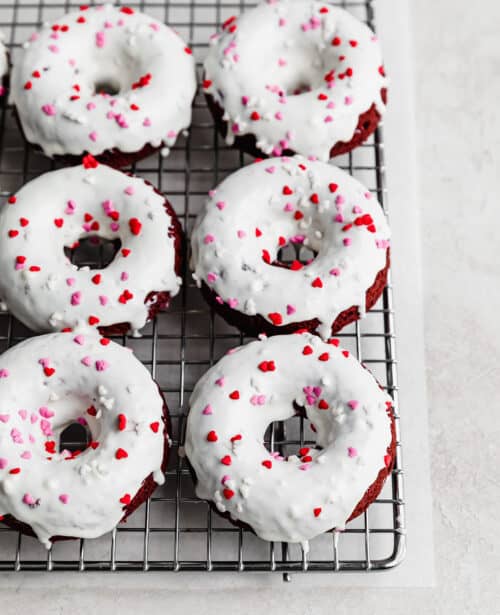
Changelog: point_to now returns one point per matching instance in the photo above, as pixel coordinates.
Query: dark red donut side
(145, 490)
(367, 124)
(255, 325)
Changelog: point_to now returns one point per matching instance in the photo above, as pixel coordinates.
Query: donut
(106, 80)
(296, 497)
(50, 218)
(272, 205)
(50, 382)
(295, 76)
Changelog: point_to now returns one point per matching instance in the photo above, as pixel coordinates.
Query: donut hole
(292, 436)
(75, 437)
(293, 252)
(93, 251)
(108, 86)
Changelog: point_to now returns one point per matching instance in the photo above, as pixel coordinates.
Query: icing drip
(292, 498)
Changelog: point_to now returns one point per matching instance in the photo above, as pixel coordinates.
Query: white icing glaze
(266, 198)
(260, 59)
(109, 46)
(61, 207)
(297, 498)
(80, 496)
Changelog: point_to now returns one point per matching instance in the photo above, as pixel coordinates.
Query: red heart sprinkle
(281, 241)
(336, 41)
(59, 222)
(36, 74)
(28, 85)
(50, 447)
(381, 71)
(89, 162)
(212, 436)
(304, 450)
(122, 422)
(317, 283)
(317, 511)
(92, 411)
(345, 353)
(93, 320)
(267, 464)
(155, 426)
(266, 257)
(127, 10)
(296, 266)
(206, 84)
(258, 232)
(307, 350)
(95, 226)
(237, 437)
(49, 371)
(121, 453)
(387, 461)
(126, 499)
(13, 233)
(104, 341)
(333, 187)
(81, 20)
(94, 444)
(324, 356)
(135, 226)
(254, 116)
(314, 198)
(322, 97)
(12, 199)
(125, 252)
(226, 460)
(234, 395)
(15, 471)
(287, 190)
(298, 215)
(353, 43)
(96, 279)
(334, 341)
(276, 318)
(228, 493)
(188, 50)
(88, 217)
(24, 221)
(323, 405)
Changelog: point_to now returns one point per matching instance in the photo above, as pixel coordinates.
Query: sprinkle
(267, 366)
(353, 404)
(49, 109)
(101, 365)
(103, 300)
(64, 498)
(290, 309)
(317, 283)
(212, 436)
(220, 381)
(89, 162)
(347, 241)
(135, 226)
(387, 461)
(307, 350)
(208, 239)
(122, 422)
(323, 356)
(121, 453)
(207, 410)
(129, 190)
(234, 395)
(93, 136)
(76, 298)
(4, 373)
(352, 452)
(4, 418)
(323, 405)
(335, 271)
(228, 493)
(317, 511)
(29, 500)
(100, 39)
(220, 205)
(3, 463)
(287, 190)
(49, 371)
(226, 460)
(154, 426)
(276, 318)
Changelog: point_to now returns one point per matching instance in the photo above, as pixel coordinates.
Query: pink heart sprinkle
(270, 169)
(348, 100)
(45, 412)
(146, 122)
(232, 303)
(124, 276)
(114, 226)
(101, 365)
(90, 106)
(357, 209)
(241, 234)
(64, 498)
(87, 361)
(171, 134)
(4, 373)
(328, 119)
(211, 277)
(129, 190)
(28, 499)
(288, 207)
(76, 298)
(208, 239)
(207, 410)
(23, 414)
(339, 218)
(278, 115)
(49, 109)
(26, 455)
(93, 136)
(335, 271)
(103, 300)
(33, 418)
(44, 362)
(347, 241)
(79, 339)
(3, 463)
(225, 478)
(352, 452)
(353, 404)
(70, 207)
(220, 381)
(290, 309)
(220, 205)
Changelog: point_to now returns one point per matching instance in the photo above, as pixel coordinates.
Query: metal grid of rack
(174, 530)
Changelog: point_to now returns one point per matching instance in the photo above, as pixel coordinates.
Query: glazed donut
(295, 76)
(294, 498)
(53, 214)
(290, 201)
(50, 382)
(105, 80)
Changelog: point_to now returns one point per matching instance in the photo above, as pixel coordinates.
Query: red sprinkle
(266, 257)
(228, 493)
(122, 422)
(324, 356)
(188, 50)
(12, 199)
(287, 190)
(333, 187)
(15, 471)
(13, 233)
(206, 84)
(234, 395)
(24, 222)
(96, 279)
(317, 283)
(121, 453)
(276, 318)
(155, 426)
(59, 222)
(212, 436)
(127, 10)
(267, 366)
(314, 198)
(323, 405)
(28, 85)
(336, 41)
(49, 371)
(226, 460)
(307, 350)
(296, 265)
(89, 162)
(345, 353)
(267, 463)
(126, 499)
(255, 116)
(93, 320)
(104, 341)
(317, 511)
(135, 226)
(237, 437)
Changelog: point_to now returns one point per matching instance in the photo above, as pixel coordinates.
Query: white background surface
(442, 166)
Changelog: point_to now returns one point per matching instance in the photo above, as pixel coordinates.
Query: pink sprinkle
(93, 136)
(235, 128)
(45, 427)
(81, 421)
(4, 418)
(225, 478)
(16, 436)
(114, 226)
(23, 414)
(171, 134)
(26, 455)
(32, 439)
(241, 234)
(305, 27)
(357, 209)
(288, 207)
(154, 26)
(330, 105)
(304, 467)
(124, 276)
(282, 22)
(220, 381)
(347, 241)
(353, 404)
(212, 193)
(44, 362)
(70, 207)
(45, 412)
(220, 205)
(348, 100)
(108, 206)
(368, 195)
(76, 298)
(146, 122)
(258, 400)
(290, 309)
(352, 452)
(244, 100)
(108, 24)
(33, 418)
(64, 498)
(70, 281)
(34, 37)
(100, 39)
(278, 115)
(4, 373)
(315, 22)
(54, 48)
(103, 300)
(90, 106)
(208, 239)
(328, 119)
(335, 271)
(207, 410)
(28, 499)
(49, 109)
(282, 62)
(101, 365)
(270, 170)
(211, 277)
(232, 303)
(87, 227)
(87, 361)
(129, 190)
(339, 200)
(339, 218)
(79, 339)
(3, 463)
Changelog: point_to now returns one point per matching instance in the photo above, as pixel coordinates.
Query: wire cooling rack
(174, 530)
